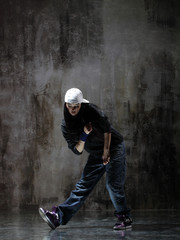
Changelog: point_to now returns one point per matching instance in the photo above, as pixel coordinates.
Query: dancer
(86, 127)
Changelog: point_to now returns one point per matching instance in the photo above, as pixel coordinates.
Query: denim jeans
(93, 171)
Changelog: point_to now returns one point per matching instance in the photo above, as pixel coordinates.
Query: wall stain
(4, 134)
(26, 173)
(153, 136)
(162, 12)
(80, 29)
(43, 118)
(6, 181)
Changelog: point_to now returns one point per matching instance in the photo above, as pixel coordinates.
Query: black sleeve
(69, 139)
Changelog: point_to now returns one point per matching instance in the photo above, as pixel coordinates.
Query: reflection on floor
(148, 225)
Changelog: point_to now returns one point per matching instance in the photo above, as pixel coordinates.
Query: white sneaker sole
(123, 228)
(45, 218)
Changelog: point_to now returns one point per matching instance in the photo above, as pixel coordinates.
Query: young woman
(86, 127)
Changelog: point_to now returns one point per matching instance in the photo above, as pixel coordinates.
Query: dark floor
(148, 225)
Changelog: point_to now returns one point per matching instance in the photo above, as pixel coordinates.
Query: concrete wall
(124, 56)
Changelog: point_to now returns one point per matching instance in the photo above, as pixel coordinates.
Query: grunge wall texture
(125, 57)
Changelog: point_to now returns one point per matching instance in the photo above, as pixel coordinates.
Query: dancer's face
(73, 108)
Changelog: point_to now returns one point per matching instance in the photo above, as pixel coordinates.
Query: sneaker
(123, 223)
(51, 218)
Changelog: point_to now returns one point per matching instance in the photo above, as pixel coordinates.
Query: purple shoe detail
(123, 223)
(51, 218)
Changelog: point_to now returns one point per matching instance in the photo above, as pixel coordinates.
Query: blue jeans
(93, 171)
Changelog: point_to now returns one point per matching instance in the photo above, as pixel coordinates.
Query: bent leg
(93, 171)
(115, 179)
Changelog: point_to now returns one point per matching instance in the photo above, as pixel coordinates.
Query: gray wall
(125, 57)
